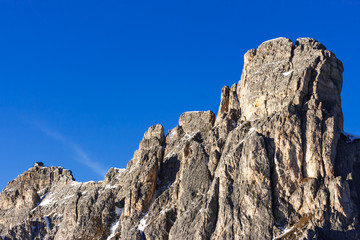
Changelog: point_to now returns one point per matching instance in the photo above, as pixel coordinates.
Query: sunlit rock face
(272, 164)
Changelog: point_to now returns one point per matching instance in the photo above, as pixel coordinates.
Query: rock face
(273, 164)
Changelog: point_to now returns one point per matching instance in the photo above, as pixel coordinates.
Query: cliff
(273, 164)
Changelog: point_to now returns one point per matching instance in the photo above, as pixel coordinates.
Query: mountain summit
(273, 164)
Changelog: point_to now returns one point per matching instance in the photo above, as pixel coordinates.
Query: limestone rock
(196, 121)
(273, 164)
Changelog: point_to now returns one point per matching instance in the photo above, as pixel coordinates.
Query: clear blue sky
(81, 81)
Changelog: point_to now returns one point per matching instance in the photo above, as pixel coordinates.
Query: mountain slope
(272, 164)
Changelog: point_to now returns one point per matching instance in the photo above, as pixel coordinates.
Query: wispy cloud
(80, 155)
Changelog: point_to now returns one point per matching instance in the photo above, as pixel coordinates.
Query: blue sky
(81, 81)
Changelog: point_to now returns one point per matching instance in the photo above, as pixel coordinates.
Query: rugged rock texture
(273, 164)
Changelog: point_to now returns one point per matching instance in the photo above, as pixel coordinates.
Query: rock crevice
(272, 164)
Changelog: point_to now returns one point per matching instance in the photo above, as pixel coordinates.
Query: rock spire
(272, 164)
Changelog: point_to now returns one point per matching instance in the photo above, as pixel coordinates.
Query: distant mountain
(273, 164)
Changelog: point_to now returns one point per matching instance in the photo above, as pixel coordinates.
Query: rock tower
(272, 164)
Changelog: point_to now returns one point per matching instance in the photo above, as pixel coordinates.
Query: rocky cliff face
(273, 164)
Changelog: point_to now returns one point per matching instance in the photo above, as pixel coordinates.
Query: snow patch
(48, 199)
(143, 220)
(172, 133)
(3, 237)
(115, 225)
(286, 230)
(120, 172)
(142, 224)
(57, 215)
(41, 192)
(108, 186)
(119, 169)
(351, 138)
(75, 183)
(251, 130)
(70, 196)
(170, 155)
(38, 203)
(287, 73)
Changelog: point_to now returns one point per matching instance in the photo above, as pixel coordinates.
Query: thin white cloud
(81, 155)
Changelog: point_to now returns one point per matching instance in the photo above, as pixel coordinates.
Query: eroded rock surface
(273, 164)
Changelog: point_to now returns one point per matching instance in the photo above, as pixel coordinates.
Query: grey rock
(273, 164)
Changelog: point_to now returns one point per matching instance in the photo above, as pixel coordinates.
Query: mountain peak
(272, 164)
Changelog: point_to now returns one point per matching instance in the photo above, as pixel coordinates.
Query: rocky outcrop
(273, 164)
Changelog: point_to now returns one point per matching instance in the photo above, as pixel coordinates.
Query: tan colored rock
(196, 121)
(273, 164)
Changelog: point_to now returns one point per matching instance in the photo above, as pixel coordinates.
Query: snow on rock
(42, 192)
(286, 230)
(109, 186)
(75, 183)
(170, 155)
(48, 199)
(287, 73)
(172, 133)
(115, 225)
(143, 220)
(120, 170)
(251, 130)
(70, 196)
(142, 224)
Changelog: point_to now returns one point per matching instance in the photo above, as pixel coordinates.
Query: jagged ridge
(272, 164)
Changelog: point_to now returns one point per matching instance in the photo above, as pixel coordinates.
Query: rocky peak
(26, 189)
(280, 75)
(197, 121)
(273, 164)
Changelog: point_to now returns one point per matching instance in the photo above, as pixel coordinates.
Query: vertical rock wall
(273, 164)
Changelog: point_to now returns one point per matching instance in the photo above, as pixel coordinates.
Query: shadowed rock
(273, 164)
